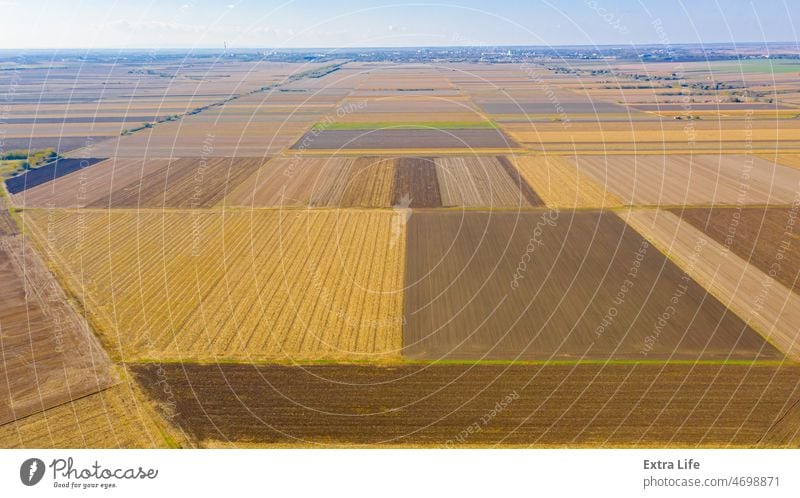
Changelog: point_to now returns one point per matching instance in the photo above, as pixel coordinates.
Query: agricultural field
(562, 185)
(594, 405)
(482, 182)
(183, 183)
(677, 180)
(321, 284)
(767, 238)
(49, 356)
(79, 189)
(768, 307)
(526, 286)
(413, 138)
(665, 136)
(326, 250)
(112, 418)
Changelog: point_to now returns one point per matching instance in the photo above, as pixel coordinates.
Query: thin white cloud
(163, 26)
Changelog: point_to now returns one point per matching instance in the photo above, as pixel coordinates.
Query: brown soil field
(549, 285)
(85, 187)
(561, 185)
(415, 183)
(785, 432)
(478, 182)
(112, 418)
(404, 139)
(765, 237)
(766, 305)
(552, 405)
(183, 183)
(266, 284)
(676, 180)
(48, 353)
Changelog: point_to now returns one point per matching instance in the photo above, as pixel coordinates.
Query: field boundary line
(677, 238)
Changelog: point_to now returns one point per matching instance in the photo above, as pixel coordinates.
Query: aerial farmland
(375, 248)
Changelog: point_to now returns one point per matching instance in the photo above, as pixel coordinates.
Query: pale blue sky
(359, 23)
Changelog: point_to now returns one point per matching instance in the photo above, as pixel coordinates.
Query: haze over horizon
(195, 24)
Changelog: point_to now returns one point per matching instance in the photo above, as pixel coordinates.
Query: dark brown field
(184, 183)
(405, 139)
(594, 405)
(547, 285)
(415, 183)
(48, 355)
(767, 238)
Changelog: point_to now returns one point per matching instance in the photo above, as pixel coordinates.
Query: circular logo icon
(31, 471)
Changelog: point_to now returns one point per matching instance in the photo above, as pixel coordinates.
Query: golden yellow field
(114, 418)
(236, 284)
(791, 160)
(665, 135)
(561, 185)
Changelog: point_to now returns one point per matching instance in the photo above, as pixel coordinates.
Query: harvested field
(283, 182)
(480, 182)
(764, 237)
(318, 182)
(721, 106)
(109, 419)
(562, 186)
(60, 144)
(83, 119)
(767, 306)
(82, 188)
(563, 107)
(405, 139)
(184, 183)
(676, 180)
(7, 224)
(236, 285)
(551, 405)
(48, 173)
(48, 353)
(714, 136)
(415, 183)
(791, 160)
(517, 179)
(548, 285)
(361, 182)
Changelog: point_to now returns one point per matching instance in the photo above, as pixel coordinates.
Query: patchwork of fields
(372, 253)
